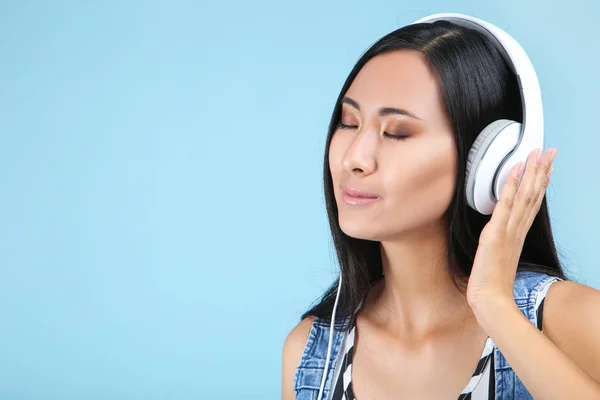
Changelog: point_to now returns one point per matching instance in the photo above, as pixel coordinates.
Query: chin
(360, 229)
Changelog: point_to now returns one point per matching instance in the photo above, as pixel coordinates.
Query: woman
(438, 301)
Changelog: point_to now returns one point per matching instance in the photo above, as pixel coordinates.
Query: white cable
(331, 327)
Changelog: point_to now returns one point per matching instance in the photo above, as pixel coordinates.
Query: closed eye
(388, 135)
(395, 137)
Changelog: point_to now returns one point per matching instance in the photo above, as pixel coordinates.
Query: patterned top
(480, 387)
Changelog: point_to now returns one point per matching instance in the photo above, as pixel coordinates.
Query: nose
(360, 156)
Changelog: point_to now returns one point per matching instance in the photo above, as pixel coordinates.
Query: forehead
(398, 79)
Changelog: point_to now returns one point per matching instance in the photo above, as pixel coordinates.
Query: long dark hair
(477, 87)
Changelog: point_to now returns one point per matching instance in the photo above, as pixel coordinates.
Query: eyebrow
(383, 111)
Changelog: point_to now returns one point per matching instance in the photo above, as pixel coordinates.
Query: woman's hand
(501, 242)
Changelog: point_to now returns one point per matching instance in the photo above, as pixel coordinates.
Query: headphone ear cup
(477, 153)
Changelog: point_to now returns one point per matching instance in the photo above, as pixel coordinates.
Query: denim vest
(308, 375)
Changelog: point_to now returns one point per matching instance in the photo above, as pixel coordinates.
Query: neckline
(484, 359)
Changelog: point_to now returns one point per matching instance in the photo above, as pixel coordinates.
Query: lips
(352, 192)
(356, 197)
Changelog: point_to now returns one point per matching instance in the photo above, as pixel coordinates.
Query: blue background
(162, 224)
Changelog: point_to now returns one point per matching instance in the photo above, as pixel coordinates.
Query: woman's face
(414, 178)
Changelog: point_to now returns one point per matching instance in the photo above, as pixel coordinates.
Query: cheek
(438, 172)
(335, 157)
(425, 185)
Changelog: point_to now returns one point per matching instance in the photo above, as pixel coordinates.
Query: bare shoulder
(569, 298)
(571, 302)
(568, 288)
(298, 335)
(293, 348)
(571, 321)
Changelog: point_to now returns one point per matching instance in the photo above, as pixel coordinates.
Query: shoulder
(293, 348)
(571, 295)
(572, 322)
(296, 340)
(569, 301)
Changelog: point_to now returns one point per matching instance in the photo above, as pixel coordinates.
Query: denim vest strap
(528, 289)
(308, 376)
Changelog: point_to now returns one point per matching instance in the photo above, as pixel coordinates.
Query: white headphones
(501, 145)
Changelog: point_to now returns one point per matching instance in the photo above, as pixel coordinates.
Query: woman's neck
(417, 294)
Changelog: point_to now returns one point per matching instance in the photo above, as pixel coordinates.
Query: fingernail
(553, 154)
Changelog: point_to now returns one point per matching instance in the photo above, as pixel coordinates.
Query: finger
(542, 182)
(503, 209)
(526, 194)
